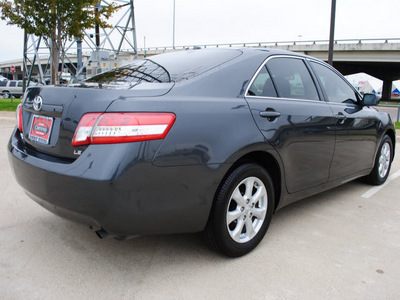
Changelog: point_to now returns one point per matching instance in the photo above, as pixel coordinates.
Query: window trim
(358, 95)
(254, 79)
(310, 71)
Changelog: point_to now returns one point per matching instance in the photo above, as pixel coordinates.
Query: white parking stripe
(376, 189)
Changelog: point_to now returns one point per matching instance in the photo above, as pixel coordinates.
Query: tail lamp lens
(111, 128)
(19, 117)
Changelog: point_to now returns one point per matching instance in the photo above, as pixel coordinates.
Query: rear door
(356, 125)
(286, 106)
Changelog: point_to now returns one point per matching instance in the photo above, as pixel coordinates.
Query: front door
(356, 125)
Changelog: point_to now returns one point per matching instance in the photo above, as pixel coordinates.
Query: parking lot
(342, 244)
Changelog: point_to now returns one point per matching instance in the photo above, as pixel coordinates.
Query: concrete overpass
(377, 57)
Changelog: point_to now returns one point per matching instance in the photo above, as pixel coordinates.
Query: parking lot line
(376, 189)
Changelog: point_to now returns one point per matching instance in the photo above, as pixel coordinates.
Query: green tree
(56, 21)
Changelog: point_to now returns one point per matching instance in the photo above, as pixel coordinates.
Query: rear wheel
(383, 162)
(242, 211)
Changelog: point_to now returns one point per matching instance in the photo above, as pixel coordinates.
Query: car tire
(6, 94)
(383, 162)
(242, 211)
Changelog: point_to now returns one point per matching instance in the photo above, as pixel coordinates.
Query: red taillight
(19, 117)
(110, 128)
(83, 131)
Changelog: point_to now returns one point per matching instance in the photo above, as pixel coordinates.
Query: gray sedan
(210, 141)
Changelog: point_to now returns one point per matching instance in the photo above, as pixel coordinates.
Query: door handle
(270, 114)
(340, 116)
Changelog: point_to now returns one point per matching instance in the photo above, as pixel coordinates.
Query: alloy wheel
(246, 209)
(384, 160)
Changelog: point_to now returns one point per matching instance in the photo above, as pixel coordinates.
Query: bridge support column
(387, 90)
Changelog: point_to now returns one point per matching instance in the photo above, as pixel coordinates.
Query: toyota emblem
(37, 103)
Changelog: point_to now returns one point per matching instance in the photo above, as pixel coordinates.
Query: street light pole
(332, 33)
(133, 28)
(144, 46)
(173, 28)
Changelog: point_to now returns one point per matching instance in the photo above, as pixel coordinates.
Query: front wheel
(6, 95)
(242, 211)
(383, 162)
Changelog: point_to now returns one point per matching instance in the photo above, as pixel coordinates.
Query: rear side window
(19, 83)
(262, 85)
(292, 78)
(336, 89)
(13, 83)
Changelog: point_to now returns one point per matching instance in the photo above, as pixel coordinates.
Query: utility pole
(97, 28)
(332, 33)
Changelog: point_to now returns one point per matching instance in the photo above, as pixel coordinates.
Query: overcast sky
(230, 21)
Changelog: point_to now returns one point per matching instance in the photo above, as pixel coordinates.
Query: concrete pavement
(342, 244)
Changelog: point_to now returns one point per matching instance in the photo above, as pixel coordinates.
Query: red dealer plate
(41, 129)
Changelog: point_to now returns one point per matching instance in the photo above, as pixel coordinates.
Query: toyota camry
(211, 141)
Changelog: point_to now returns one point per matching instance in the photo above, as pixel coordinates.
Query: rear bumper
(117, 188)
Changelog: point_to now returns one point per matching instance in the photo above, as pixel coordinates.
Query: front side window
(262, 85)
(336, 89)
(292, 78)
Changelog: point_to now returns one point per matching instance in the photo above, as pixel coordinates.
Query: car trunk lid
(50, 115)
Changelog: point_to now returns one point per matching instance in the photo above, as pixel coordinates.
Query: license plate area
(40, 130)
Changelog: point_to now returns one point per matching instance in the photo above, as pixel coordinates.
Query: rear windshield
(175, 66)
(190, 63)
(140, 70)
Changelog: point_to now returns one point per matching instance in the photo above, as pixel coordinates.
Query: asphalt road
(342, 244)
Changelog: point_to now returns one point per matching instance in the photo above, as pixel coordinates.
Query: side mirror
(370, 100)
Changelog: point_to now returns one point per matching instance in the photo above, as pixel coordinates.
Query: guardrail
(275, 44)
(396, 106)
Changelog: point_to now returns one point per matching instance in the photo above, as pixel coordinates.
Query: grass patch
(389, 103)
(397, 124)
(7, 105)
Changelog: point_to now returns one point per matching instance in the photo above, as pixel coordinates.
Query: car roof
(269, 52)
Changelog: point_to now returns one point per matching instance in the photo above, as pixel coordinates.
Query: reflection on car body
(210, 141)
